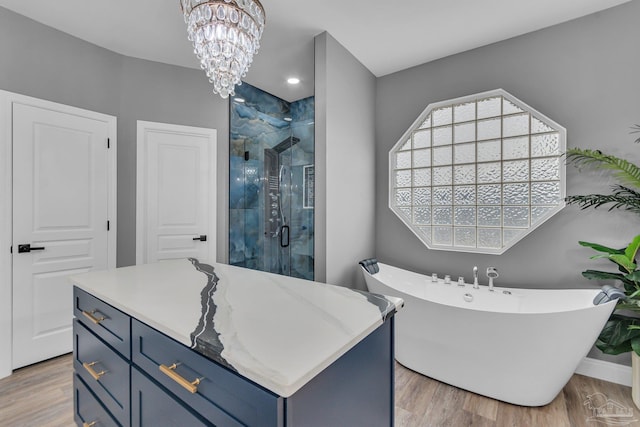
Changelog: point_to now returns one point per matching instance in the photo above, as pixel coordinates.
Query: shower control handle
(202, 238)
(282, 233)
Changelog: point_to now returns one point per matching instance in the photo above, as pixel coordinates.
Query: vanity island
(180, 343)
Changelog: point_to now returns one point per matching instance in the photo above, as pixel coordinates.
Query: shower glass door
(271, 187)
(277, 190)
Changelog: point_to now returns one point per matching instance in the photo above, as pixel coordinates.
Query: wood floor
(41, 395)
(421, 401)
(38, 395)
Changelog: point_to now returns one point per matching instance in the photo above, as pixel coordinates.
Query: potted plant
(621, 333)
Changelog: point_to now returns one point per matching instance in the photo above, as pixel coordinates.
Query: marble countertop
(277, 331)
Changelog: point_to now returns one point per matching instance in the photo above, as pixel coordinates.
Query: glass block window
(478, 173)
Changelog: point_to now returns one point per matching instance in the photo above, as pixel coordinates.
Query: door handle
(202, 238)
(26, 247)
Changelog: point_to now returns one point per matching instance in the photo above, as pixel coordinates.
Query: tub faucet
(476, 285)
(492, 273)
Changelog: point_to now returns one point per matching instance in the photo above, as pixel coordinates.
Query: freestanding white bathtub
(520, 347)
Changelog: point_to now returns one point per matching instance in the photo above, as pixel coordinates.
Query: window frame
(522, 232)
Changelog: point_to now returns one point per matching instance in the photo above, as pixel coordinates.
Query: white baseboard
(608, 371)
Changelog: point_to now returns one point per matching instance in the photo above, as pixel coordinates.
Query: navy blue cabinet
(153, 407)
(88, 411)
(110, 324)
(355, 390)
(104, 371)
(129, 374)
(222, 397)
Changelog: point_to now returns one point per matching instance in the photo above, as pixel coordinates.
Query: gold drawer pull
(91, 424)
(169, 371)
(96, 375)
(90, 315)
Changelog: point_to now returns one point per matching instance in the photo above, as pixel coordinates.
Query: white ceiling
(385, 36)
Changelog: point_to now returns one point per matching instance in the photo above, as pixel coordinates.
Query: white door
(60, 214)
(176, 192)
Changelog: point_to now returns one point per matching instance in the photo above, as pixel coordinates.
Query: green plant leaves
(629, 286)
(623, 257)
(603, 275)
(619, 335)
(601, 248)
(623, 261)
(622, 198)
(632, 249)
(619, 259)
(606, 275)
(634, 277)
(624, 170)
(636, 129)
(631, 305)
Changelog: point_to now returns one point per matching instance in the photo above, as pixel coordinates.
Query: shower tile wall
(256, 125)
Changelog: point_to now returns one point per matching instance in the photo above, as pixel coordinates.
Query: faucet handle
(476, 285)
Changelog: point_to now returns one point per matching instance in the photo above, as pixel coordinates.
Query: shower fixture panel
(272, 193)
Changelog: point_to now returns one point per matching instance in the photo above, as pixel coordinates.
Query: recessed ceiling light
(293, 80)
(240, 100)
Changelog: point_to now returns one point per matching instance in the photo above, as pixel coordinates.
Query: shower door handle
(282, 233)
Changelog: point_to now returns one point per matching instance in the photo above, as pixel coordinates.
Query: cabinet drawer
(152, 406)
(222, 396)
(87, 409)
(110, 324)
(104, 371)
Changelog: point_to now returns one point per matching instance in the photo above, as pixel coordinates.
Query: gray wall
(582, 74)
(45, 63)
(345, 159)
(165, 93)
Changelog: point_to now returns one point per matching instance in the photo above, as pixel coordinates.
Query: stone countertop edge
(142, 294)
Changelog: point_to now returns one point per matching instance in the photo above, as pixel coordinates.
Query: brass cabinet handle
(90, 315)
(89, 367)
(91, 424)
(169, 371)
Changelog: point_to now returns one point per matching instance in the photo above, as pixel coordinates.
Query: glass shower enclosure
(271, 183)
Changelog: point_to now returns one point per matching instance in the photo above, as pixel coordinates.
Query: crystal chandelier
(225, 35)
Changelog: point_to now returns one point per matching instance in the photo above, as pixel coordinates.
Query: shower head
(286, 144)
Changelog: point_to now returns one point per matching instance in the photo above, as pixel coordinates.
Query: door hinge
(11, 249)
(108, 142)
(108, 225)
